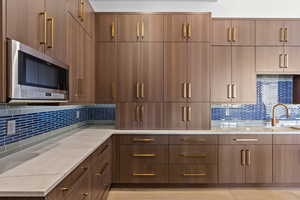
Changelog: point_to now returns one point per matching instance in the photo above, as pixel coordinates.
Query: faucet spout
(274, 120)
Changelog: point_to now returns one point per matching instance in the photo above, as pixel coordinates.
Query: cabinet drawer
(144, 139)
(286, 139)
(138, 173)
(193, 154)
(143, 154)
(193, 174)
(193, 139)
(245, 139)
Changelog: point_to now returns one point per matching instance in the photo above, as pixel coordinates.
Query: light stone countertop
(42, 167)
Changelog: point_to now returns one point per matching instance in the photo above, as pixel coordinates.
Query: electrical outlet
(11, 127)
(77, 114)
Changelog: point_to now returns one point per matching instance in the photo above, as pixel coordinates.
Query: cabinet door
(153, 28)
(128, 116)
(292, 61)
(286, 164)
(221, 29)
(25, 22)
(293, 28)
(106, 72)
(268, 59)
(199, 27)
(129, 28)
(73, 7)
(231, 169)
(259, 164)
(198, 72)
(198, 116)
(244, 32)
(221, 74)
(56, 40)
(152, 116)
(268, 32)
(106, 28)
(151, 71)
(175, 116)
(128, 61)
(174, 27)
(243, 75)
(175, 74)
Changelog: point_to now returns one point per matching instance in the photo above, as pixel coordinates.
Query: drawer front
(193, 139)
(193, 174)
(245, 139)
(286, 139)
(193, 154)
(137, 173)
(144, 139)
(149, 154)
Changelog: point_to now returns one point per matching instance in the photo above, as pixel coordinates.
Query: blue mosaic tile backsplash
(32, 121)
(271, 90)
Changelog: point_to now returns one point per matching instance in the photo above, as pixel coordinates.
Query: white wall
(222, 8)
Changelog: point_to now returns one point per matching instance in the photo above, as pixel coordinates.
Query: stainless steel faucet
(274, 120)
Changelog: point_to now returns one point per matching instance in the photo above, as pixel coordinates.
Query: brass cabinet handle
(144, 155)
(142, 90)
(189, 30)
(138, 174)
(143, 140)
(64, 189)
(248, 155)
(142, 113)
(137, 113)
(233, 32)
(189, 115)
(282, 37)
(229, 35)
(143, 30)
(138, 90)
(113, 30)
(243, 159)
(286, 60)
(44, 25)
(113, 90)
(280, 61)
(51, 22)
(193, 140)
(286, 35)
(184, 31)
(229, 91)
(189, 91)
(184, 117)
(80, 15)
(84, 195)
(246, 140)
(138, 30)
(184, 90)
(193, 155)
(234, 94)
(82, 7)
(197, 174)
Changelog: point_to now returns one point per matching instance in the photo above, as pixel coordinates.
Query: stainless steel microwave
(34, 77)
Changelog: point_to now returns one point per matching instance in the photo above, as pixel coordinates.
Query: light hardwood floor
(206, 194)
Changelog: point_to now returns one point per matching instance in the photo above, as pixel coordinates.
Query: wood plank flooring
(206, 194)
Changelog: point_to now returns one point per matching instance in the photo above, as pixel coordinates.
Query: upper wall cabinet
(233, 32)
(187, 27)
(106, 28)
(272, 32)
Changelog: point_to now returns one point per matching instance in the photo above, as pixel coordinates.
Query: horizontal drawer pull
(193, 140)
(199, 174)
(193, 155)
(137, 174)
(246, 140)
(144, 155)
(102, 151)
(64, 189)
(143, 140)
(102, 170)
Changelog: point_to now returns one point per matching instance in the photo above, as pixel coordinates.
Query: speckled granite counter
(42, 167)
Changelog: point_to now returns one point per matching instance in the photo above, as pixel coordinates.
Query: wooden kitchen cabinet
(175, 28)
(106, 72)
(233, 74)
(128, 28)
(233, 32)
(269, 59)
(292, 32)
(175, 116)
(199, 118)
(25, 22)
(106, 28)
(140, 116)
(292, 60)
(152, 28)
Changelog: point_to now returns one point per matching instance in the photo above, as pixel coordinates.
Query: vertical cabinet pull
(229, 35)
(138, 30)
(233, 37)
(229, 91)
(137, 113)
(286, 60)
(280, 61)
(282, 34)
(184, 86)
(184, 117)
(138, 90)
(81, 9)
(184, 31)
(189, 115)
(248, 154)
(142, 90)
(189, 30)
(143, 30)
(113, 30)
(142, 113)
(234, 94)
(286, 35)
(189, 95)
(43, 16)
(51, 37)
(243, 157)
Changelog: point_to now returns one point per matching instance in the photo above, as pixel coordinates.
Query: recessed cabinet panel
(221, 74)
(175, 28)
(128, 116)
(152, 28)
(292, 60)
(106, 72)
(243, 75)
(198, 116)
(292, 31)
(269, 59)
(269, 32)
(199, 27)
(106, 28)
(221, 32)
(152, 116)
(175, 116)
(243, 32)
(128, 28)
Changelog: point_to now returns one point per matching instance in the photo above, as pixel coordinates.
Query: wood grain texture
(104, 27)
(3, 83)
(127, 118)
(200, 116)
(139, 139)
(173, 116)
(174, 27)
(152, 116)
(244, 32)
(193, 139)
(268, 32)
(200, 27)
(293, 60)
(286, 139)
(268, 59)
(153, 28)
(127, 28)
(220, 31)
(293, 28)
